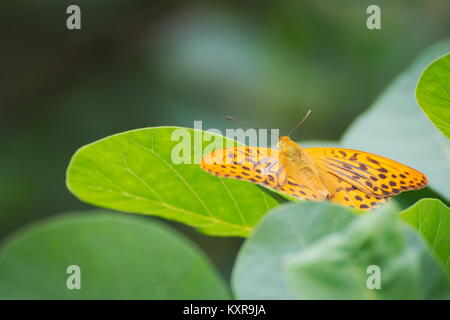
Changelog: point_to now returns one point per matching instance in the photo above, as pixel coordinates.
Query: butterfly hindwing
(344, 193)
(256, 165)
(372, 174)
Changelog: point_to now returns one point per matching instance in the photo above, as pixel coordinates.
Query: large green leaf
(339, 266)
(134, 172)
(396, 127)
(433, 93)
(120, 257)
(322, 251)
(431, 218)
(258, 270)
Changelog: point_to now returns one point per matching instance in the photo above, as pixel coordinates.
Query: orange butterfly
(348, 177)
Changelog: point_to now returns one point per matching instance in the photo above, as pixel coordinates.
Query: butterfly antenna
(245, 124)
(298, 124)
(240, 122)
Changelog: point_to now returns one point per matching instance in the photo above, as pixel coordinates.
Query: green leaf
(339, 266)
(395, 127)
(134, 172)
(322, 251)
(433, 93)
(258, 270)
(120, 257)
(431, 218)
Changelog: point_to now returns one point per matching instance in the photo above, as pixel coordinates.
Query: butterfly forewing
(372, 174)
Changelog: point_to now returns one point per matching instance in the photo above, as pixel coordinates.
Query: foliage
(134, 172)
(298, 250)
(321, 251)
(120, 257)
(433, 93)
(431, 218)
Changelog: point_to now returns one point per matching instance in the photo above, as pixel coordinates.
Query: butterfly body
(299, 165)
(349, 177)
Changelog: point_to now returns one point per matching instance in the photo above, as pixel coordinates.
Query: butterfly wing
(372, 174)
(353, 197)
(256, 165)
(346, 194)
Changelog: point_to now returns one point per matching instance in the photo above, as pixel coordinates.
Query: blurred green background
(139, 63)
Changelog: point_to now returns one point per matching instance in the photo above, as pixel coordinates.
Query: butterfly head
(288, 147)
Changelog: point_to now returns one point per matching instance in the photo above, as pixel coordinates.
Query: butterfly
(348, 177)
